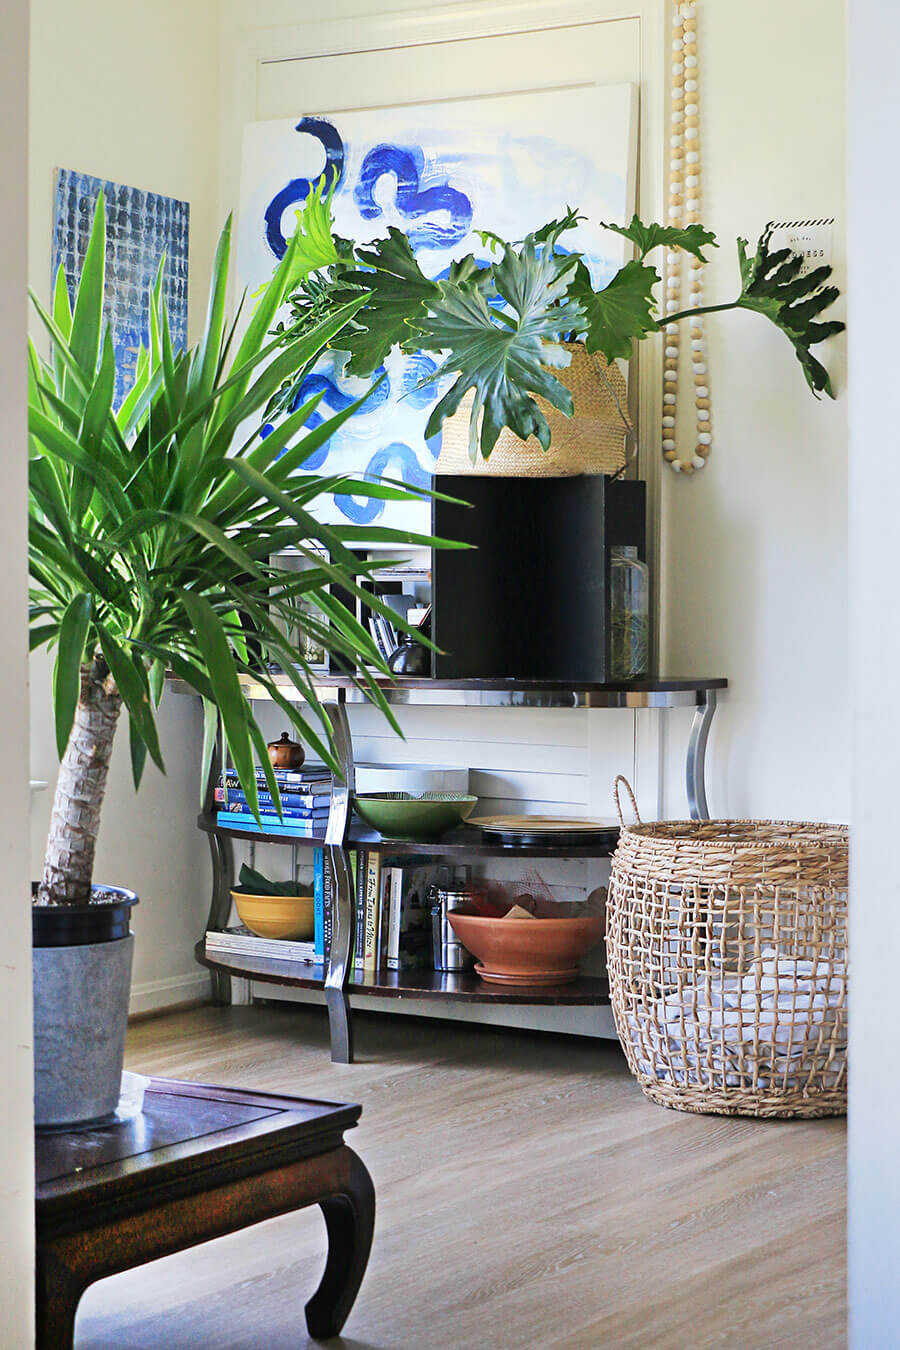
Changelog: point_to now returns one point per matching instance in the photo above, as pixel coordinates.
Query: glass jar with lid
(629, 614)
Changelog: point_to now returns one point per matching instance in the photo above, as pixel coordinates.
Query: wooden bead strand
(684, 209)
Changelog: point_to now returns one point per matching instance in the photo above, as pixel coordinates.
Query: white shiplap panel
(536, 726)
(510, 757)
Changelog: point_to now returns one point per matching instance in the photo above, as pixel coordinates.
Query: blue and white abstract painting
(140, 228)
(439, 172)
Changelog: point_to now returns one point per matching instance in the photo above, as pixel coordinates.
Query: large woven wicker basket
(727, 956)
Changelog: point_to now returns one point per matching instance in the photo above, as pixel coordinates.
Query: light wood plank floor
(528, 1196)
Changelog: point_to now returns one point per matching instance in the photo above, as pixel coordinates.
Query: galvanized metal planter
(82, 980)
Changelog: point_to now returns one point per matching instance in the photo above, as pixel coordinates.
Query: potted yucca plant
(152, 525)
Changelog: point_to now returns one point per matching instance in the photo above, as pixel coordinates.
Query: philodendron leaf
(772, 285)
(691, 238)
(502, 354)
(316, 243)
(398, 293)
(620, 313)
(549, 233)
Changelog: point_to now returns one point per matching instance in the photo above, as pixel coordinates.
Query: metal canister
(449, 953)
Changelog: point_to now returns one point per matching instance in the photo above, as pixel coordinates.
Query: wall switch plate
(812, 238)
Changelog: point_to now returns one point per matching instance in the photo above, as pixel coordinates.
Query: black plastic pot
(79, 925)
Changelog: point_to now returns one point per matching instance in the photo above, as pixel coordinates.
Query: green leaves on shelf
(773, 286)
(254, 883)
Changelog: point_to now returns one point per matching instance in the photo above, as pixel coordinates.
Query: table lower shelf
(467, 841)
(586, 991)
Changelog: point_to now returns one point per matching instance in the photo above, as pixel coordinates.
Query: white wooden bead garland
(684, 209)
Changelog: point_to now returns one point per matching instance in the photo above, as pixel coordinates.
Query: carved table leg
(57, 1293)
(350, 1220)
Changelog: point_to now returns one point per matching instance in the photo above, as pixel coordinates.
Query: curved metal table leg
(696, 755)
(221, 851)
(337, 977)
(222, 855)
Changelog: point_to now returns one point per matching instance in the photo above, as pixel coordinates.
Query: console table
(198, 1162)
(336, 979)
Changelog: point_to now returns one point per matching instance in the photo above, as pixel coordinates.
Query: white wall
(130, 92)
(874, 1219)
(754, 552)
(17, 1177)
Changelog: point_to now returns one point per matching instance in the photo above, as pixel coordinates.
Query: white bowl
(414, 778)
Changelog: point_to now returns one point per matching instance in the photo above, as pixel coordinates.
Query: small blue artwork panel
(141, 227)
(438, 172)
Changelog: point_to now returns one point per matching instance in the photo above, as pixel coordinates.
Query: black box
(531, 599)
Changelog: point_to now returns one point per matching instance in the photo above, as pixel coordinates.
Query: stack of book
(393, 923)
(241, 941)
(305, 799)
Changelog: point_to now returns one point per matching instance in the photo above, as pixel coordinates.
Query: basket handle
(620, 778)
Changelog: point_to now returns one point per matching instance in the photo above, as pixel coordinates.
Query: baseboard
(153, 995)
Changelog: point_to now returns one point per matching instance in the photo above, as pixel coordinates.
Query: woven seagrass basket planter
(727, 957)
(591, 441)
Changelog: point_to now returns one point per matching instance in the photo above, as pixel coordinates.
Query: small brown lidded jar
(285, 753)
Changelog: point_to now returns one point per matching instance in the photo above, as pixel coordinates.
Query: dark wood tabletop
(184, 1130)
(196, 1163)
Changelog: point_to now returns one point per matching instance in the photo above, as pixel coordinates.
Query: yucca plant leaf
(223, 676)
(131, 681)
(209, 531)
(73, 630)
(262, 754)
(210, 737)
(62, 308)
(257, 394)
(138, 750)
(39, 634)
(87, 316)
(259, 325)
(72, 385)
(209, 349)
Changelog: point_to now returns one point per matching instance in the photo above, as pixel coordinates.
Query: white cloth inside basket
(766, 1025)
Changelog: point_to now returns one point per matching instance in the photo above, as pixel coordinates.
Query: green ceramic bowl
(405, 815)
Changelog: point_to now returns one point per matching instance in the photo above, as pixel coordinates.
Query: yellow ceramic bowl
(276, 916)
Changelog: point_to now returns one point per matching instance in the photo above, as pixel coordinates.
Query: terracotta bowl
(276, 916)
(526, 951)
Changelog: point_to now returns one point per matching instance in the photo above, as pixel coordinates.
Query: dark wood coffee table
(198, 1163)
